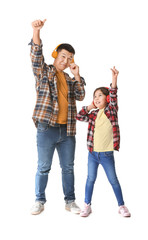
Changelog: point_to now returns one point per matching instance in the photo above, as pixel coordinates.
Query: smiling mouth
(64, 65)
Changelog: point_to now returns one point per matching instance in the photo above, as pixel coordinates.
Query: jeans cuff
(42, 202)
(69, 201)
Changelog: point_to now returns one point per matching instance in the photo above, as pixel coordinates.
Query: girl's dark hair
(104, 90)
(67, 47)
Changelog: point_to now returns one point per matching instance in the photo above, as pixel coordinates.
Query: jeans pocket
(108, 154)
(42, 127)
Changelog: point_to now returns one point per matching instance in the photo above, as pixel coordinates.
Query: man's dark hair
(67, 47)
(104, 90)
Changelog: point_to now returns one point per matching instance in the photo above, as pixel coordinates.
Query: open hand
(91, 106)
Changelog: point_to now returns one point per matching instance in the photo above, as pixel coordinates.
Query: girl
(102, 139)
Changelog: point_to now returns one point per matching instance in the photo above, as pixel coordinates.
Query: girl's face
(100, 99)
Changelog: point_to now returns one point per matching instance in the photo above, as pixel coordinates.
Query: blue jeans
(48, 139)
(106, 159)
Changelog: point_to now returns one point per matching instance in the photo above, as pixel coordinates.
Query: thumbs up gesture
(38, 24)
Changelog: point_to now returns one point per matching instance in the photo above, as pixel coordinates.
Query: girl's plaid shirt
(111, 112)
(46, 108)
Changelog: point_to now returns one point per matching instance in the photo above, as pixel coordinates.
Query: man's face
(100, 99)
(63, 60)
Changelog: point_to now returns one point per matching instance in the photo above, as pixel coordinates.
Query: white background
(104, 34)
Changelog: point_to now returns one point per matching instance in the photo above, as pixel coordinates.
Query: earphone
(107, 97)
(55, 53)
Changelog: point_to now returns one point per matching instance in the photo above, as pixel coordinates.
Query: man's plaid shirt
(111, 112)
(46, 108)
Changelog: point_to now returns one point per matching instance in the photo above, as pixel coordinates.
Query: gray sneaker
(37, 208)
(72, 207)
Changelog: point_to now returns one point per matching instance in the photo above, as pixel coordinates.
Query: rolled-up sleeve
(113, 98)
(83, 115)
(79, 89)
(37, 60)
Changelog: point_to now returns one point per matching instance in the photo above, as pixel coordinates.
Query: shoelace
(73, 204)
(38, 204)
(124, 209)
(85, 210)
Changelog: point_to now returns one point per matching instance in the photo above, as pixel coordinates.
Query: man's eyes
(69, 59)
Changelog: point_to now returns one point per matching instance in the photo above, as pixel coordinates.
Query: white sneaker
(37, 208)
(86, 211)
(72, 207)
(123, 210)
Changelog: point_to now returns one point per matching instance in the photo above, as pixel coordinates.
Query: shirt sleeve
(83, 115)
(37, 60)
(79, 89)
(113, 104)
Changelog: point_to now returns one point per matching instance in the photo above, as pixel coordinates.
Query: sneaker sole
(72, 211)
(37, 213)
(125, 216)
(85, 215)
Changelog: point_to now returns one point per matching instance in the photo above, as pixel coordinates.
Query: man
(55, 116)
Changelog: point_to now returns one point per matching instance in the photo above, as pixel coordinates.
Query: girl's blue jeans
(106, 159)
(48, 139)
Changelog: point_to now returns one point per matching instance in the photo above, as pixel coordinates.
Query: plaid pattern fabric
(46, 108)
(111, 112)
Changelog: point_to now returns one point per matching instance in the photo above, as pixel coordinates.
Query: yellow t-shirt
(62, 98)
(103, 133)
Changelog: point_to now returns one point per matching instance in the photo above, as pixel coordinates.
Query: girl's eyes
(98, 95)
